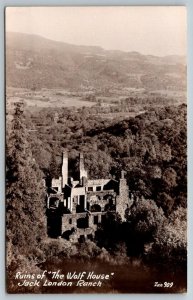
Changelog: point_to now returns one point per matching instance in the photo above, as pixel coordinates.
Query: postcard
(96, 149)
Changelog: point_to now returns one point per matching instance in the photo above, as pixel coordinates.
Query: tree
(97, 163)
(24, 196)
(166, 154)
(144, 219)
(143, 189)
(154, 172)
(109, 234)
(165, 201)
(54, 168)
(171, 240)
(145, 216)
(169, 177)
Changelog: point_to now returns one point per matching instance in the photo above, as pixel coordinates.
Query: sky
(155, 30)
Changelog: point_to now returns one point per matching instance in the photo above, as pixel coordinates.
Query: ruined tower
(122, 201)
(82, 171)
(64, 167)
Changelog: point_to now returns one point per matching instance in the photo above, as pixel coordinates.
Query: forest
(151, 148)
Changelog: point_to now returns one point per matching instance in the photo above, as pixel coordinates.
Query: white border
(189, 4)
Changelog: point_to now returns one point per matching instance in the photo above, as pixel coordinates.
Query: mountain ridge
(35, 61)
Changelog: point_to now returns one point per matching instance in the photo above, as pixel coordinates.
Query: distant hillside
(35, 62)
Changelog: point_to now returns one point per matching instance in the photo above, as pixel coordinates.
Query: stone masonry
(76, 208)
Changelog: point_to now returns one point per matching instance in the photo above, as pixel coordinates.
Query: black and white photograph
(96, 149)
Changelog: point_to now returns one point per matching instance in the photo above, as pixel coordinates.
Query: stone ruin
(75, 208)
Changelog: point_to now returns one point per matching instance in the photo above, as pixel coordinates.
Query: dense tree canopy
(151, 148)
(25, 197)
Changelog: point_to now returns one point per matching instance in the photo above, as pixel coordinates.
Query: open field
(121, 115)
(46, 98)
(37, 100)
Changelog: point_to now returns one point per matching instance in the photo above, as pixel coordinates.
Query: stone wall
(122, 200)
(69, 223)
(57, 183)
(87, 200)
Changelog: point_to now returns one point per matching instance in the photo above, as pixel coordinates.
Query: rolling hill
(35, 62)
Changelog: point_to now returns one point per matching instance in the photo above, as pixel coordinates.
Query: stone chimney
(122, 174)
(84, 181)
(64, 167)
(82, 171)
(122, 199)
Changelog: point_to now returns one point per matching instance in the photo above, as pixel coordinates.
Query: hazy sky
(148, 30)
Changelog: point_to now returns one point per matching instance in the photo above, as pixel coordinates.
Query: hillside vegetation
(151, 148)
(124, 111)
(35, 62)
